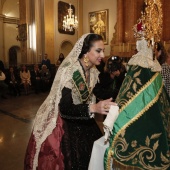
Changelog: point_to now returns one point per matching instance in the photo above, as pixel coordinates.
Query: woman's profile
(64, 128)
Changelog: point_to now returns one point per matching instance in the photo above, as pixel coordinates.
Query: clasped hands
(102, 107)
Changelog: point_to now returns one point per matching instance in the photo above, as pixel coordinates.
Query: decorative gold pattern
(86, 60)
(142, 111)
(125, 102)
(131, 82)
(122, 131)
(149, 26)
(139, 151)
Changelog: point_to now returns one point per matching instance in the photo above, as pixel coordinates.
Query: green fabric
(140, 134)
(80, 85)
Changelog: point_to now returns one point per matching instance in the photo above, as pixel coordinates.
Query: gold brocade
(140, 151)
(122, 142)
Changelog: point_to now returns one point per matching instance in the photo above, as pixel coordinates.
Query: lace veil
(45, 120)
(144, 57)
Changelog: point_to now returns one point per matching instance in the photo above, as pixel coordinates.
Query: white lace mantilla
(47, 114)
(93, 80)
(144, 57)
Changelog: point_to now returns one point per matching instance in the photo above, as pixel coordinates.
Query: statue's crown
(149, 25)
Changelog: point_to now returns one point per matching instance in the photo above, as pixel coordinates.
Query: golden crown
(149, 26)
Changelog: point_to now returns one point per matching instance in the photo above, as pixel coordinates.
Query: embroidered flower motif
(134, 161)
(129, 94)
(134, 143)
(81, 86)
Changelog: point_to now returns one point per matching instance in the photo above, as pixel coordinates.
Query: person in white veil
(64, 128)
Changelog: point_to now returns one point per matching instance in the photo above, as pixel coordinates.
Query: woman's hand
(102, 107)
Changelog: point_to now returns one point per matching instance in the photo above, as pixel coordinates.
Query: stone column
(80, 18)
(2, 55)
(49, 29)
(120, 28)
(40, 29)
(22, 12)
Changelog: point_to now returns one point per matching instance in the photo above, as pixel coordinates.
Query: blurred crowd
(112, 73)
(16, 81)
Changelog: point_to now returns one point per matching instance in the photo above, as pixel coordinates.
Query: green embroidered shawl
(141, 134)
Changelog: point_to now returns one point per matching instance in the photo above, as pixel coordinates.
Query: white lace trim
(93, 80)
(144, 57)
(47, 114)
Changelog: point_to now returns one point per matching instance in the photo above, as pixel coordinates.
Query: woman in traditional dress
(64, 128)
(25, 78)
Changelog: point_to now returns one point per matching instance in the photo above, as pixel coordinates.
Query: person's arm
(69, 110)
(42, 75)
(2, 76)
(29, 75)
(48, 75)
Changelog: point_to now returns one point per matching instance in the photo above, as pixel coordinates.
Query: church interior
(29, 29)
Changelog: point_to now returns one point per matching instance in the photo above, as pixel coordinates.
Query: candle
(164, 43)
(128, 47)
(123, 47)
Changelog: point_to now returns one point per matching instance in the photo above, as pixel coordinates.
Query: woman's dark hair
(61, 55)
(26, 70)
(113, 64)
(88, 43)
(159, 46)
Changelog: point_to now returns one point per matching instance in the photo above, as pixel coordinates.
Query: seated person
(60, 59)
(108, 85)
(25, 78)
(13, 82)
(45, 77)
(36, 78)
(3, 85)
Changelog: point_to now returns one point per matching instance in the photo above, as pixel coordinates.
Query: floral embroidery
(143, 155)
(134, 144)
(81, 86)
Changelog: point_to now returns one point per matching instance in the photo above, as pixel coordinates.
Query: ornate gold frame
(63, 11)
(100, 27)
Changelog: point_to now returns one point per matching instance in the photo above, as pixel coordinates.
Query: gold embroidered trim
(138, 115)
(142, 89)
(79, 91)
(140, 151)
(142, 111)
(128, 167)
(85, 85)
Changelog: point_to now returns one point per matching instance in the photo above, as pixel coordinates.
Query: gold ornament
(86, 60)
(105, 106)
(149, 26)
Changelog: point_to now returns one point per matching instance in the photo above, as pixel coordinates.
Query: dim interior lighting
(1, 139)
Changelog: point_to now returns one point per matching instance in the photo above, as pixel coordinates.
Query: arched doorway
(66, 47)
(14, 55)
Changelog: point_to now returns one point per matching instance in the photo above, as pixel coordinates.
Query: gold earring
(86, 60)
